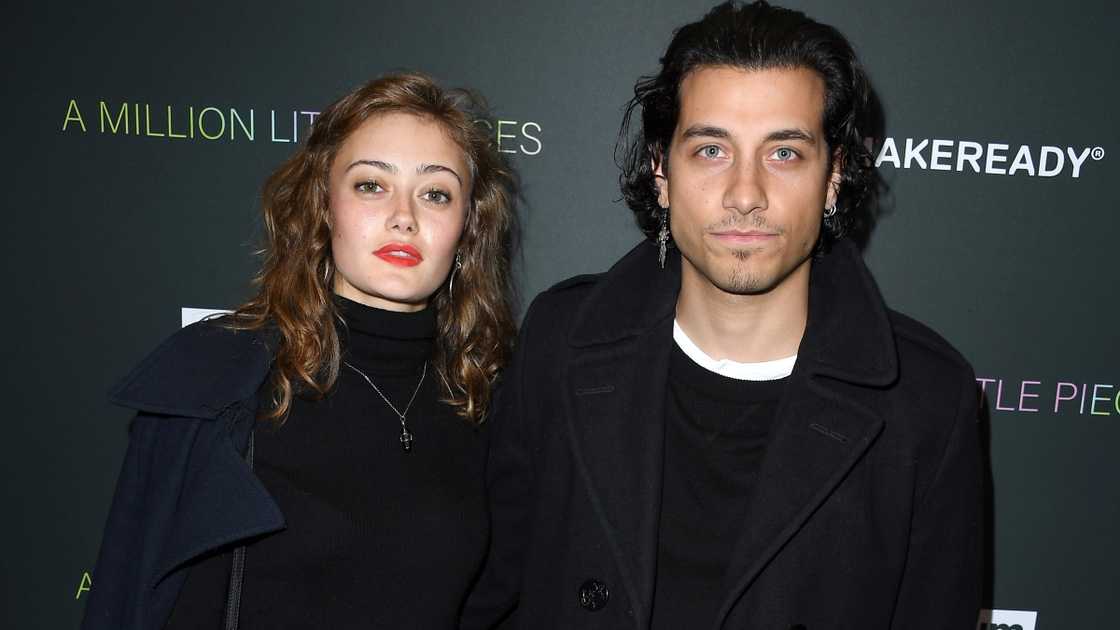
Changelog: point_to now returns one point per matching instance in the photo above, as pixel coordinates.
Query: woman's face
(399, 193)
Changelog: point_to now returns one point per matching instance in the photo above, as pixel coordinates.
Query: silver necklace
(406, 436)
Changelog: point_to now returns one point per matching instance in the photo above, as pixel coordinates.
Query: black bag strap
(237, 570)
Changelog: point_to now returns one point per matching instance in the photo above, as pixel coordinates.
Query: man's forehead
(744, 99)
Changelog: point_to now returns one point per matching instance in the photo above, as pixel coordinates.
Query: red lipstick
(399, 254)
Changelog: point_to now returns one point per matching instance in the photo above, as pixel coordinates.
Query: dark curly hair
(757, 36)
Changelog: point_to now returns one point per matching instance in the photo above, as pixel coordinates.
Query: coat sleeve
(139, 517)
(116, 574)
(509, 479)
(941, 584)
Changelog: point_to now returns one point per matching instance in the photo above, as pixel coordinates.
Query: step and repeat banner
(137, 138)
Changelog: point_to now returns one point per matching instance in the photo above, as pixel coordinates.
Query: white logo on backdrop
(1007, 620)
(990, 158)
(192, 315)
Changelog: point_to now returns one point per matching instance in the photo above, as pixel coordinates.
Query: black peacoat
(867, 509)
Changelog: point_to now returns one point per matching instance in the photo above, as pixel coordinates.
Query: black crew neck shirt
(716, 431)
(375, 537)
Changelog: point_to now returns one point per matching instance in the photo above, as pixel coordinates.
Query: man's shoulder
(564, 298)
(921, 347)
(575, 288)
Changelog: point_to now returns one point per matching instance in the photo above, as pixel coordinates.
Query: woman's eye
(369, 187)
(785, 154)
(437, 196)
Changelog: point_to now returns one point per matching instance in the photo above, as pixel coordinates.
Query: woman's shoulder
(199, 370)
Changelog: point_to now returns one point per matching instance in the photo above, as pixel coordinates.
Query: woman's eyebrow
(392, 168)
(385, 166)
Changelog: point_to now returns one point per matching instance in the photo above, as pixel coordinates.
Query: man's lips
(399, 254)
(744, 236)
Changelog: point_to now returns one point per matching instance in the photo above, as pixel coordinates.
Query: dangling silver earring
(663, 237)
(830, 211)
(451, 280)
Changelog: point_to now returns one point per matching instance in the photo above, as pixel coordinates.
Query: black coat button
(593, 595)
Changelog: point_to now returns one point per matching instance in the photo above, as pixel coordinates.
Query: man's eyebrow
(791, 134)
(705, 131)
(712, 131)
(438, 168)
(385, 166)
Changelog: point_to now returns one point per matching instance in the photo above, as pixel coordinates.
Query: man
(729, 429)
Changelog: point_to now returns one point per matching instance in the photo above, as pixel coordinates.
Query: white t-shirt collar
(761, 371)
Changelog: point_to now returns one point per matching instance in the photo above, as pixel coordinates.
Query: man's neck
(744, 328)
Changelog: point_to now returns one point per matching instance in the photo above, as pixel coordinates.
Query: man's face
(748, 176)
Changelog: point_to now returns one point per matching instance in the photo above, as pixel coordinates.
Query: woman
(315, 459)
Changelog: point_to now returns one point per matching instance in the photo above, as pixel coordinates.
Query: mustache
(750, 222)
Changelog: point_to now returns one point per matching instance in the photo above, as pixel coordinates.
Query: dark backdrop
(110, 233)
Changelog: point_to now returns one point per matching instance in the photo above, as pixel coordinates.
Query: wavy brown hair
(295, 285)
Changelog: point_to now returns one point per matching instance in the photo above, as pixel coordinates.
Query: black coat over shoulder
(867, 509)
(184, 488)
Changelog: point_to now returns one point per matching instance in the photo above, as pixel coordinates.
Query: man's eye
(711, 151)
(785, 154)
(369, 187)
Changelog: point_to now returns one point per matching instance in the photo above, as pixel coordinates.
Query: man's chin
(736, 275)
(743, 279)
(747, 285)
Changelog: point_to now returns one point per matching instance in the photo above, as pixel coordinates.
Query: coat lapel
(818, 436)
(221, 501)
(204, 379)
(614, 392)
(616, 422)
(828, 417)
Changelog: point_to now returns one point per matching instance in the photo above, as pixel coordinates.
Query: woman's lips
(399, 254)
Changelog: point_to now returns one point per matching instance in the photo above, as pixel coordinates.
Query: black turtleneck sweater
(375, 537)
